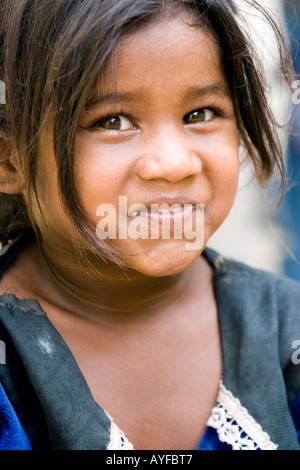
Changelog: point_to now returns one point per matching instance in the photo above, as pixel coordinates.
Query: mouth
(169, 215)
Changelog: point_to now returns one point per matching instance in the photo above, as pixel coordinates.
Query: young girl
(123, 122)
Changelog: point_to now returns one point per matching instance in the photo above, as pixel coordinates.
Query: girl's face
(162, 130)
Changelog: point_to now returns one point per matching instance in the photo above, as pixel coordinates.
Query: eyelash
(121, 112)
(216, 110)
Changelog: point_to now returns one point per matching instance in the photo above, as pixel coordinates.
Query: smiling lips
(172, 217)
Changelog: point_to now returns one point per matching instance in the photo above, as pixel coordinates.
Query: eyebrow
(214, 89)
(193, 92)
(114, 97)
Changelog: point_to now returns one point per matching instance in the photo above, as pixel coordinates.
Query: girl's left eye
(198, 116)
(117, 122)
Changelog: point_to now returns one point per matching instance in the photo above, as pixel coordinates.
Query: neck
(102, 290)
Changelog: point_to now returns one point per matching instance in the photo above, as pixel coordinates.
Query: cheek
(222, 165)
(100, 176)
(225, 175)
(222, 175)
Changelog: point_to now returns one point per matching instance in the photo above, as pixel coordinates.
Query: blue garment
(45, 402)
(296, 414)
(211, 441)
(12, 435)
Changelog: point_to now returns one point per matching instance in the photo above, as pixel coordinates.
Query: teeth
(167, 211)
(135, 214)
(177, 209)
(159, 211)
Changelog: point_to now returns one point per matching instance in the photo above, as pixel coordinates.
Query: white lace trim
(118, 440)
(235, 426)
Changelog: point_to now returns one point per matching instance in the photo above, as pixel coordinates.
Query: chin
(164, 262)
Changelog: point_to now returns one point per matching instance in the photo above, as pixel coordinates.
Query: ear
(11, 177)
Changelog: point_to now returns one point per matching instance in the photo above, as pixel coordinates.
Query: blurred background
(254, 232)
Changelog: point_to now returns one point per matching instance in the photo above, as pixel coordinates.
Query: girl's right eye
(116, 122)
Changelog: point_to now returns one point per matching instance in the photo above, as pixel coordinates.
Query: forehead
(170, 54)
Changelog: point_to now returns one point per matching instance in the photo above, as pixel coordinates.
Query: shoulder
(259, 316)
(262, 300)
(263, 306)
(274, 289)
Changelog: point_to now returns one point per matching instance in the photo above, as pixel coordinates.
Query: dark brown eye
(199, 115)
(115, 123)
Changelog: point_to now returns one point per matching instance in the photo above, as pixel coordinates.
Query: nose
(168, 155)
